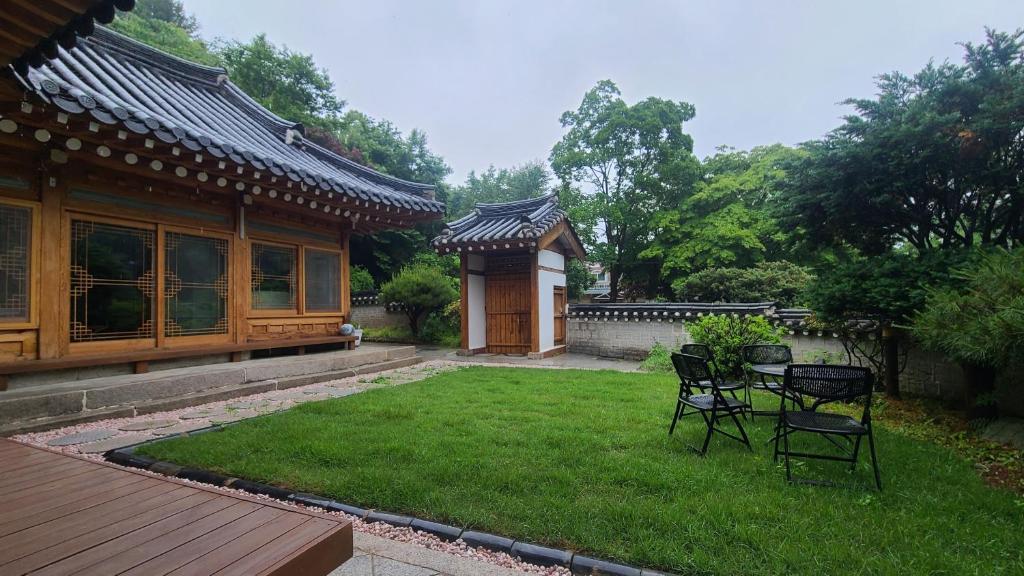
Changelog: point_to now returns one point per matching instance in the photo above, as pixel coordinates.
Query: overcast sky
(487, 80)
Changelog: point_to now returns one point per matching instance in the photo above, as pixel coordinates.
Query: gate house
(513, 258)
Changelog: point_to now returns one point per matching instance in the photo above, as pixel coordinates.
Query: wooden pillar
(54, 294)
(240, 271)
(346, 286)
(534, 302)
(464, 302)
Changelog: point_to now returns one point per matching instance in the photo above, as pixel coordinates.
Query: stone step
(76, 402)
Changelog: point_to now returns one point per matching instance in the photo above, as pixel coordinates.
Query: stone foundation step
(130, 395)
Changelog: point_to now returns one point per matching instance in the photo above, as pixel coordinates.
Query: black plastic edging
(525, 551)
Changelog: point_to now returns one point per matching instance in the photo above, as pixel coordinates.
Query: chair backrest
(766, 354)
(702, 350)
(695, 372)
(828, 382)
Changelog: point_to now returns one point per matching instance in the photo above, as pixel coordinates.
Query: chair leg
(742, 431)
(711, 429)
(785, 442)
(874, 459)
(778, 432)
(680, 407)
(856, 451)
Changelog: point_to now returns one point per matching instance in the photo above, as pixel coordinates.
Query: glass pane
(195, 285)
(112, 282)
(323, 280)
(273, 277)
(15, 240)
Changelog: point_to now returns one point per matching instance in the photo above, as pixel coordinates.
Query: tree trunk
(980, 397)
(613, 285)
(891, 357)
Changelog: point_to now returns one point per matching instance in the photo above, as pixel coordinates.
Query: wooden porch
(68, 515)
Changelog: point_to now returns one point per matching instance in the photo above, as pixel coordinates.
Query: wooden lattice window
(15, 260)
(195, 285)
(112, 281)
(273, 277)
(323, 280)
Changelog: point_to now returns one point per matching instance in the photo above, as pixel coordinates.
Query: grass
(582, 460)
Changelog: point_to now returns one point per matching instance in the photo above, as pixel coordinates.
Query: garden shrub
(443, 326)
(360, 280)
(420, 289)
(726, 335)
(659, 359)
(981, 324)
(781, 282)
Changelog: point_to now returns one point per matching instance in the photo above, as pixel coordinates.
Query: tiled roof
(33, 29)
(521, 221)
(118, 81)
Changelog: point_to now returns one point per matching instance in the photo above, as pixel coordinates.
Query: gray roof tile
(119, 81)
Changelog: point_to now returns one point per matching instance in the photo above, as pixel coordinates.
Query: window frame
(193, 339)
(159, 339)
(341, 282)
(299, 310)
(34, 262)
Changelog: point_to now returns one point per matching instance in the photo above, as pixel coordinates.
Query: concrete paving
(581, 361)
(376, 556)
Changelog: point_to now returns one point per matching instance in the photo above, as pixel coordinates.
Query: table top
(769, 369)
(68, 515)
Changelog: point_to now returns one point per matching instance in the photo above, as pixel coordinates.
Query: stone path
(581, 361)
(376, 556)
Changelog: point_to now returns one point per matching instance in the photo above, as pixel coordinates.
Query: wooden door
(559, 308)
(508, 312)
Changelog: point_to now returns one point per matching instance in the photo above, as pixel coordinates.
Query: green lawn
(582, 460)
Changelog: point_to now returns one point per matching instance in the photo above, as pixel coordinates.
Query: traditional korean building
(513, 258)
(151, 209)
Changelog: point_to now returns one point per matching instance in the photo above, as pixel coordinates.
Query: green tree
(170, 11)
(888, 288)
(493, 185)
(980, 324)
(780, 282)
(288, 83)
(577, 279)
(360, 279)
(420, 289)
(629, 162)
(165, 25)
(934, 161)
(729, 220)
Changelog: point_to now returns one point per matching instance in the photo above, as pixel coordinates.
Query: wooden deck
(65, 515)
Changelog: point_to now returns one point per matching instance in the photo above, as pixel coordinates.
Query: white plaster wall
(546, 282)
(551, 259)
(475, 307)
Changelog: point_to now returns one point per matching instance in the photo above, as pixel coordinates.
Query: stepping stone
(196, 414)
(180, 428)
(113, 443)
(82, 437)
(147, 425)
(328, 392)
(233, 417)
(248, 404)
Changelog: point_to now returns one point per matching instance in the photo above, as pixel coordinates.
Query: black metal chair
(712, 407)
(704, 351)
(824, 383)
(759, 355)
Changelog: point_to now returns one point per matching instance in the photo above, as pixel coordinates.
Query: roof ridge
(107, 38)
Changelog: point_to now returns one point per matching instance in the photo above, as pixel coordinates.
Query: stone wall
(630, 331)
(368, 312)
